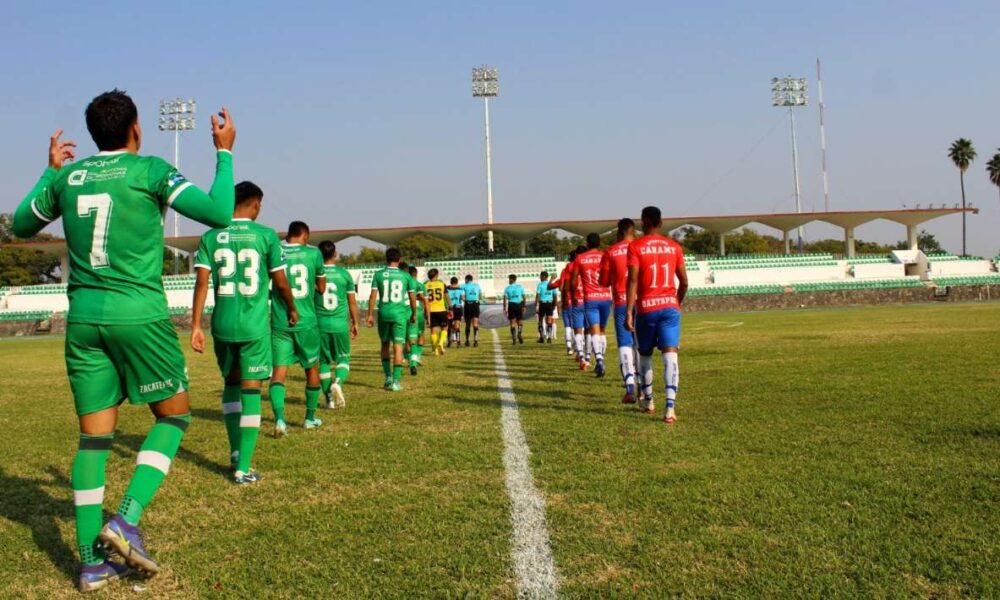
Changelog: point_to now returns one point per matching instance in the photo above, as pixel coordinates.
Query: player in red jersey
(596, 298)
(565, 301)
(657, 284)
(614, 273)
(578, 316)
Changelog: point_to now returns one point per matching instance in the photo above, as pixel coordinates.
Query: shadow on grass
(528, 401)
(134, 442)
(24, 501)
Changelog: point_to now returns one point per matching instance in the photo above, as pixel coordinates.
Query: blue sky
(360, 115)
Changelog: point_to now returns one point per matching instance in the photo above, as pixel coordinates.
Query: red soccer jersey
(614, 271)
(588, 265)
(657, 258)
(576, 292)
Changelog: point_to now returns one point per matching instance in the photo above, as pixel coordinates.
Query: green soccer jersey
(241, 258)
(421, 290)
(394, 289)
(112, 206)
(331, 307)
(305, 265)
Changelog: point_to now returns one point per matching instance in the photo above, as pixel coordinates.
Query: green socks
(325, 379)
(312, 402)
(249, 426)
(386, 368)
(343, 370)
(88, 494)
(397, 373)
(277, 392)
(418, 353)
(231, 414)
(153, 463)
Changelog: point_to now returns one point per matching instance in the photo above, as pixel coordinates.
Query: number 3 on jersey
(300, 281)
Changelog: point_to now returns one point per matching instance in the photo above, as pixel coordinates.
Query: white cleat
(338, 394)
(669, 417)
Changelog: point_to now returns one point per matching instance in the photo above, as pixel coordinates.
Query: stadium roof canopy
(783, 222)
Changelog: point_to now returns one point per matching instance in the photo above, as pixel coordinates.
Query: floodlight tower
(177, 116)
(792, 92)
(486, 85)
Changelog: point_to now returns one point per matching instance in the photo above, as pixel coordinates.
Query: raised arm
(39, 207)
(215, 208)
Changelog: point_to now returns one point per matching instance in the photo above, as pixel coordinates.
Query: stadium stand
(709, 276)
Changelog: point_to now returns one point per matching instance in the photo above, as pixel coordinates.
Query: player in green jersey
(395, 293)
(337, 312)
(415, 330)
(120, 342)
(240, 259)
(299, 342)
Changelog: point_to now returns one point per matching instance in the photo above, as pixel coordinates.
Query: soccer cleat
(396, 387)
(280, 428)
(413, 370)
(329, 404)
(338, 393)
(628, 398)
(475, 344)
(599, 369)
(96, 577)
(126, 540)
(548, 341)
(466, 343)
(669, 417)
(520, 338)
(312, 423)
(584, 365)
(569, 352)
(541, 340)
(251, 476)
(388, 383)
(329, 399)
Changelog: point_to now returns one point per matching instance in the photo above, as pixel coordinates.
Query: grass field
(833, 453)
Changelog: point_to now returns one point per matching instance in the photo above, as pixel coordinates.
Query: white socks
(568, 334)
(671, 370)
(626, 362)
(646, 376)
(578, 344)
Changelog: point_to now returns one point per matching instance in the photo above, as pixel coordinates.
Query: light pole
(486, 85)
(822, 139)
(177, 116)
(791, 92)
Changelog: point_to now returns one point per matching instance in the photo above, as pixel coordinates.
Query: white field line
(530, 548)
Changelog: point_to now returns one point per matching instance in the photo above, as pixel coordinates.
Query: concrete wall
(841, 298)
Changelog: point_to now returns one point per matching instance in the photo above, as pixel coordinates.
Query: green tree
(421, 246)
(365, 256)
(993, 169)
(503, 245)
(962, 153)
(926, 242)
(551, 243)
(25, 266)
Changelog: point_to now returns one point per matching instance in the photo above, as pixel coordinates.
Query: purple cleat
(96, 577)
(126, 540)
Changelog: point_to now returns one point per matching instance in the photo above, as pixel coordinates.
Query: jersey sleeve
(275, 257)
(350, 287)
(202, 259)
(38, 208)
(605, 270)
(319, 266)
(214, 209)
(632, 259)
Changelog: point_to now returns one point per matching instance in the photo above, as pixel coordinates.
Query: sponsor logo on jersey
(77, 177)
(664, 249)
(259, 369)
(222, 237)
(174, 179)
(147, 388)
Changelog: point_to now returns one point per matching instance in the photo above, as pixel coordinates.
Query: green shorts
(289, 347)
(415, 330)
(108, 363)
(253, 359)
(335, 347)
(392, 331)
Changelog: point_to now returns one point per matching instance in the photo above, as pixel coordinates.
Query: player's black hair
(432, 274)
(580, 250)
(513, 278)
(571, 256)
(403, 266)
(392, 255)
(544, 275)
(247, 191)
(109, 117)
(625, 225)
(297, 228)
(593, 241)
(468, 277)
(413, 271)
(328, 248)
(454, 280)
(652, 216)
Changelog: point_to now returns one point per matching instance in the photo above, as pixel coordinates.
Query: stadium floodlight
(792, 92)
(486, 85)
(177, 115)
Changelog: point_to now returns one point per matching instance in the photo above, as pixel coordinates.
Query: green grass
(830, 453)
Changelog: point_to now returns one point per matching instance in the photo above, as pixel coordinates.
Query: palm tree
(962, 154)
(993, 169)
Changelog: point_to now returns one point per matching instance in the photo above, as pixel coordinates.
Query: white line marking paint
(531, 550)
